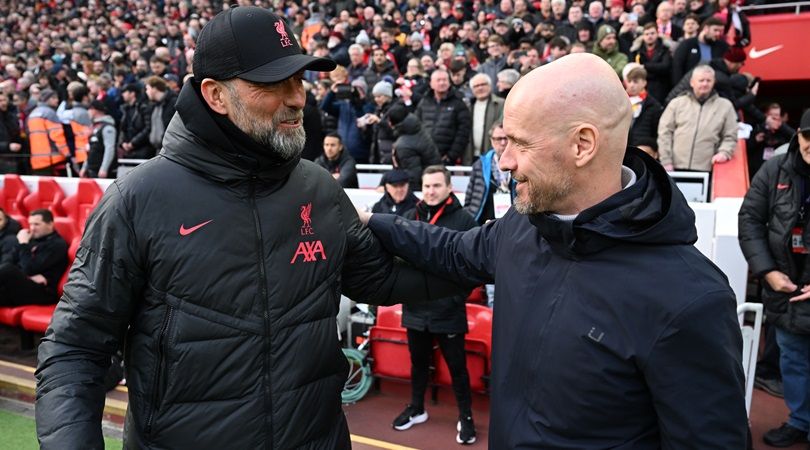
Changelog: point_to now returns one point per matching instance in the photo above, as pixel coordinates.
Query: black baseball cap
(253, 44)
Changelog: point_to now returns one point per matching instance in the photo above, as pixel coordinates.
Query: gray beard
(285, 144)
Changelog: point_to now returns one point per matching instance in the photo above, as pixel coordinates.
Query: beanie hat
(629, 68)
(383, 88)
(415, 36)
(604, 31)
(45, 95)
(397, 114)
(362, 38)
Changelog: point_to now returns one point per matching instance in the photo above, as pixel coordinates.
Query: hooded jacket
(344, 166)
(768, 215)
(691, 132)
(221, 267)
(615, 58)
(610, 331)
(414, 150)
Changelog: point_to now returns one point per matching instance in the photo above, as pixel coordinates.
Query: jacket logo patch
(306, 217)
(782, 186)
(310, 251)
(186, 231)
(596, 335)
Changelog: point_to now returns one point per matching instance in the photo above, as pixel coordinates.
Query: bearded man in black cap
(219, 264)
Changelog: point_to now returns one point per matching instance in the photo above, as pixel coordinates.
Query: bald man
(611, 330)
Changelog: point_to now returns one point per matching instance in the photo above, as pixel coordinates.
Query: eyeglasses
(499, 139)
(480, 85)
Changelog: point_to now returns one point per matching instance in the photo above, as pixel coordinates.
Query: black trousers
(420, 344)
(16, 289)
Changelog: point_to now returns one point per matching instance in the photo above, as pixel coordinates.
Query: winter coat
(616, 59)
(386, 205)
(494, 112)
(9, 133)
(313, 125)
(8, 240)
(614, 312)
(768, 215)
(229, 324)
(448, 123)
(478, 200)
(414, 150)
(658, 67)
(135, 123)
(687, 56)
(101, 154)
(690, 133)
(46, 256)
(347, 113)
(373, 75)
(344, 167)
(382, 135)
(644, 129)
(492, 66)
(447, 315)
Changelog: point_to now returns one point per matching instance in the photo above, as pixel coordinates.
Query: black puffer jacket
(448, 315)
(229, 323)
(8, 240)
(135, 123)
(448, 122)
(644, 129)
(658, 67)
(767, 216)
(414, 150)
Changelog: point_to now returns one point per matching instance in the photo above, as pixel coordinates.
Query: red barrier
(730, 179)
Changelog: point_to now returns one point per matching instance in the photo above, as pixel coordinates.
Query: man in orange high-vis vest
(73, 113)
(46, 137)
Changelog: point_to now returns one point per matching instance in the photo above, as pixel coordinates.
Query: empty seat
(10, 315)
(12, 195)
(478, 365)
(389, 353)
(37, 318)
(48, 196)
(79, 205)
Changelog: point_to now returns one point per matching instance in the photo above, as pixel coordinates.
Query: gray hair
(482, 76)
(510, 76)
(356, 48)
(705, 68)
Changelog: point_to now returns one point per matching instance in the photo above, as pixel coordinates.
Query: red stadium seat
(389, 353)
(389, 316)
(74, 247)
(10, 315)
(37, 318)
(79, 205)
(12, 195)
(48, 196)
(478, 296)
(66, 228)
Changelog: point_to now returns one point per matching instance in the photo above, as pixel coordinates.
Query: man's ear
(585, 136)
(214, 95)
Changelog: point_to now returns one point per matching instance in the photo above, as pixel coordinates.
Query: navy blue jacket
(611, 331)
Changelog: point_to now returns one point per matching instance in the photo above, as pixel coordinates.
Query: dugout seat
(12, 195)
(79, 205)
(389, 345)
(48, 196)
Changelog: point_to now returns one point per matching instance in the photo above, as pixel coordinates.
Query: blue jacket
(611, 331)
(347, 113)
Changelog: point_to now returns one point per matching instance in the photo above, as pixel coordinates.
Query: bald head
(567, 123)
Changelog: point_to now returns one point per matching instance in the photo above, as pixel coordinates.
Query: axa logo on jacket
(308, 250)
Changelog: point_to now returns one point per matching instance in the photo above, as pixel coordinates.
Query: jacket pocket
(159, 377)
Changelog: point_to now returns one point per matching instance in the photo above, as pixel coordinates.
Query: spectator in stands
(46, 136)
(163, 107)
(442, 320)
(766, 137)
(348, 103)
(702, 49)
(773, 233)
(74, 115)
(486, 110)
(382, 136)
(379, 68)
(667, 29)
(102, 160)
(413, 149)
(135, 122)
(357, 62)
(39, 259)
(646, 110)
(558, 47)
(232, 152)
(10, 138)
(568, 29)
(445, 117)
(653, 54)
(338, 162)
(496, 60)
(584, 200)
(489, 188)
(699, 128)
(8, 237)
(314, 128)
(506, 79)
(398, 197)
(607, 48)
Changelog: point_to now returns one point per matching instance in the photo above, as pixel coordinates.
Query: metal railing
(796, 6)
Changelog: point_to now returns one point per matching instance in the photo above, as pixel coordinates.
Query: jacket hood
(217, 148)
(106, 120)
(409, 125)
(650, 212)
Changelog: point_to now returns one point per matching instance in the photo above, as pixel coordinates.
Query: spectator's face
(665, 12)
(332, 147)
(427, 63)
(356, 57)
(558, 8)
(584, 35)
(379, 57)
(649, 36)
(547, 31)
(157, 67)
(533, 57)
(98, 67)
(3, 106)
(440, 82)
(773, 118)
(558, 52)
(690, 27)
(38, 227)
(381, 99)
(498, 140)
(435, 189)
(804, 145)
(716, 32)
(679, 6)
(416, 45)
(494, 49)
(458, 77)
(397, 191)
(503, 85)
(595, 10)
(635, 86)
(608, 43)
(574, 14)
(702, 83)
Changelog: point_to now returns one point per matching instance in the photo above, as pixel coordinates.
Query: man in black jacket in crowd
(39, 259)
(8, 236)
(398, 197)
(709, 44)
(444, 320)
(219, 264)
(413, 149)
(774, 239)
(574, 335)
(338, 162)
(446, 118)
(162, 104)
(134, 127)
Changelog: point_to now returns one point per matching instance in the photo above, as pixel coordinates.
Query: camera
(344, 91)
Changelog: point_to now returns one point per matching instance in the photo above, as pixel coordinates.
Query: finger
(800, 298)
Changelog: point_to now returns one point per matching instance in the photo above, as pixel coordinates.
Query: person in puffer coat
(413, 150)
(219, 265)
(446, 118)
(773, 233)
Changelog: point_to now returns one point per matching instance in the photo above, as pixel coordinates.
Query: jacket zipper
(158, 369)
(268, 401)
(694, 138)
